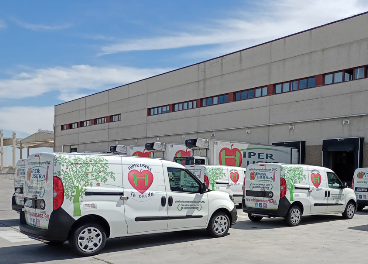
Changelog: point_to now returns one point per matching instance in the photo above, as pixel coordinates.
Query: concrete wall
(329, 48)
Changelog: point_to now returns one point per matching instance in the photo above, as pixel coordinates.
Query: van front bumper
(15, 206)
(58, 230)
(362, 202)
(281, 211)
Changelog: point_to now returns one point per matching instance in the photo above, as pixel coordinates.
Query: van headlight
(231, 197)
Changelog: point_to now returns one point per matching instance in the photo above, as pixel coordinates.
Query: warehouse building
(308, 87)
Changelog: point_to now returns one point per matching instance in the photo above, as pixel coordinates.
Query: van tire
(360, 208)
(219, 224)
(294, 216)
(349, 211)
(77, 239)
(254, 218)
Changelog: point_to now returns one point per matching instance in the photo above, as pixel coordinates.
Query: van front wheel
(219, 224)
(294, 216)
(254, 218)
(349, 211)
(88, 239)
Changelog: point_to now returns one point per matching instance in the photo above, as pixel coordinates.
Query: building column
(1, 149)
(27, 152)
(21, 150)
(14, 148)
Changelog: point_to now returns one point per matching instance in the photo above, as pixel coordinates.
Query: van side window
(333, 181)
(181, 181)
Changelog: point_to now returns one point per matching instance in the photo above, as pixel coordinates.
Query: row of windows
(249, 94)
(215, 100)
(96, 121)
(160, 110)
(185, 106)
(346, 75)
(295, 85)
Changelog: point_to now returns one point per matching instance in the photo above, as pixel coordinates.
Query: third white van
(360, 186)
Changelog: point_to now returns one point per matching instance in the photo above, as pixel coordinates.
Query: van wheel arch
(299, 204)
(91, 219)
(225, 211)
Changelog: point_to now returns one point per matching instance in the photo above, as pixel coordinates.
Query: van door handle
(163, 201)
(170, 201)
(329, 193)
(124, 198)
(325, 193)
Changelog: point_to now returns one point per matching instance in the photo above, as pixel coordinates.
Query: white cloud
(39, 27)
(2, 24)
(26, 119)
(69, 81)
(266, 21)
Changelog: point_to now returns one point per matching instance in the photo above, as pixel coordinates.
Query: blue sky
(55, 51)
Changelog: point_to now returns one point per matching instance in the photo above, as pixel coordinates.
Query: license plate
(361, 189)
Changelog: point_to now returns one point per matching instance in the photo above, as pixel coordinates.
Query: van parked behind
(19, 179)
(360, 186)
(291, 190)
(87, 198)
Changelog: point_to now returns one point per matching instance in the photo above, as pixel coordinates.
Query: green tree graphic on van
(215, 174)
(292, 176)
(78, 172)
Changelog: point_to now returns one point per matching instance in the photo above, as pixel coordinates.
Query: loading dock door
(299, 145)
(343, 156)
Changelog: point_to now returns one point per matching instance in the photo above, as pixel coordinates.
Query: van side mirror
(203, 187)
(344, 185)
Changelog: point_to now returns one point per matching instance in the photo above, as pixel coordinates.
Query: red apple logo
(143, 154)
(252, 176)
(316, 179)
(360, 175)
(183, 153)
(234, 176)
(230, 157)
(140, 180)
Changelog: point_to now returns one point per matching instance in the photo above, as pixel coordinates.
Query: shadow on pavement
(42, 253)
(278, 222)
(10, 222)
(360, 228)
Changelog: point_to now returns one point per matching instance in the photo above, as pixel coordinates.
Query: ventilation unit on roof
(196, 143)
(155, 146)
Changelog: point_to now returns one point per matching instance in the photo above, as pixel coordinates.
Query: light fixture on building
(99, 144)
(116, 142)
(135, 140)
(183, 137)
(346, 121)
(213, 134)
(247, 131)
(291, 127)
(158, 139)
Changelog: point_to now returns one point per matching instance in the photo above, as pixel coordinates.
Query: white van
(221, 178)
(19, 179)
(360, 186)
(88, 198)
(290, 191)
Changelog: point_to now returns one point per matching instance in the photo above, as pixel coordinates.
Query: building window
(264, 91)
(73, 125)
(258, 92)
(278, 88)
(185, 106)
(311, 82)
(359, 73)
(85, 123)
(63, 127)
(348, 75)
(180, 107)
(338, 77)
(101, 120)
(302, 84)
(328, 78)
(209, 101)
(194, 104)
(250, 94)
(294, 85)
(115, 118)
(285, 87)
(226, 98)
(237, 96)
(215, 100)
(204, 102)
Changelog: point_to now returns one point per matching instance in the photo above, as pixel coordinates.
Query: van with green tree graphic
(293, 190)
(87, 198)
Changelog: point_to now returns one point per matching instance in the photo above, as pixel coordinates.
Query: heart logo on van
(252, 176)
(234, 176)
(316, 179)
(140, 180)
(360, 175)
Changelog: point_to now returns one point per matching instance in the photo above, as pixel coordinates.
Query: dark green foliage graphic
(78, 172)
(215, 174)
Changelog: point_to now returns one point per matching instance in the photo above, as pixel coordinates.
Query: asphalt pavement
(318, 239)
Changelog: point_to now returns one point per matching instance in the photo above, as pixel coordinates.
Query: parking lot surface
(318, 239)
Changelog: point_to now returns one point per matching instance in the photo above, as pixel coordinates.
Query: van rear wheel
(219, 224)
(294, 216)
(88, 239)
(254, 218)
(349, 211)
